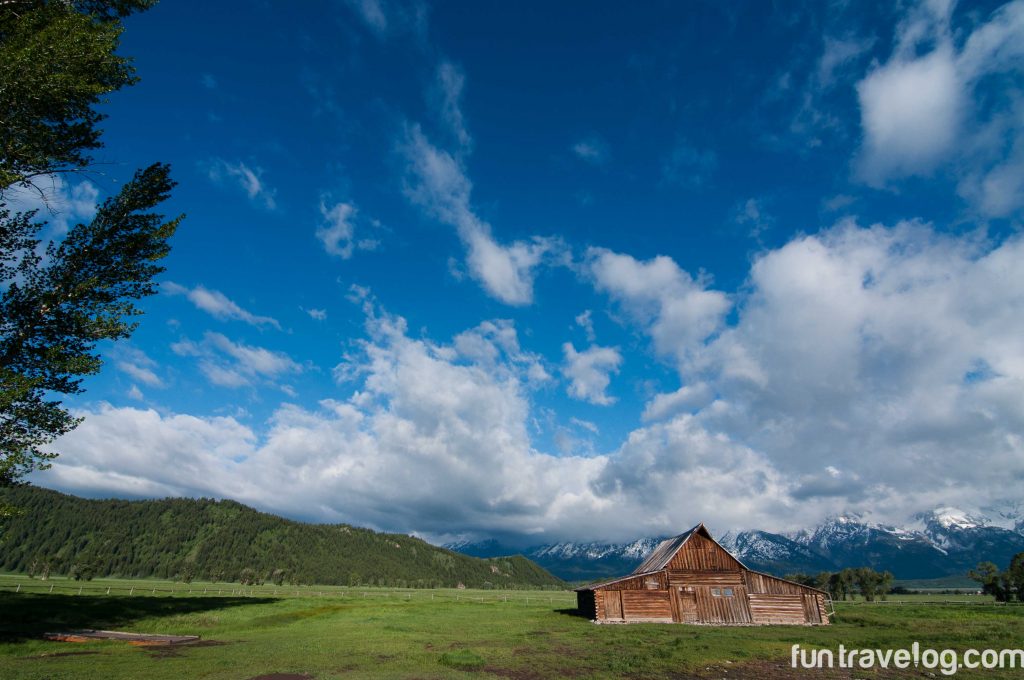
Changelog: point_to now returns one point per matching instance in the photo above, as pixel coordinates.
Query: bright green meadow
(336, 632)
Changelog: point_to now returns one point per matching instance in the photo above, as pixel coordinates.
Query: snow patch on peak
(955, 518)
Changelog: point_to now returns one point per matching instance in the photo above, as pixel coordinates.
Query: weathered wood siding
(657, 581)
(702, 554)
(767, 589)
(724, 579)
(722, 609)
(646, 605)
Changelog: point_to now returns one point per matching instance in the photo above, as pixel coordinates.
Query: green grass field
(373, 633)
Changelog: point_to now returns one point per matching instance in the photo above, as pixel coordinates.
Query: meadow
(337, 632)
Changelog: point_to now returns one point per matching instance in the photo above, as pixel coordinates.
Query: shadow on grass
(28, 616)
(572, 612)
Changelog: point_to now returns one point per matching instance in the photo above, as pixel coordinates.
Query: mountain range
(942, 543)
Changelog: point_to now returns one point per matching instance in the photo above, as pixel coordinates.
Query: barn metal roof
(661, 556)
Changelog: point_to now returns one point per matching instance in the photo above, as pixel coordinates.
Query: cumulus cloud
(436, 181)
(433, 437)
(873, 368)
(922, 110)
(678, 311)
(688, 397)
(589, 372)
(218, 305)
(249, 180)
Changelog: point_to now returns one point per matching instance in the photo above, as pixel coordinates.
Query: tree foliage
(1004, 586)
(59, 298)
(57, 62)
(226, 541)
(870, 584)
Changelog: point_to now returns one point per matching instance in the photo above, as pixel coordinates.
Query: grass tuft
(462, 659)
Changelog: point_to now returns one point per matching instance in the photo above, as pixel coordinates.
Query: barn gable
(691, 550)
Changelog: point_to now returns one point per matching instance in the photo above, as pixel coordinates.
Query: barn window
(727, 592)
(717, 592)
(651, 583)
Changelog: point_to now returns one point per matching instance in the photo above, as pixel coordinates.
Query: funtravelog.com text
(946, 661)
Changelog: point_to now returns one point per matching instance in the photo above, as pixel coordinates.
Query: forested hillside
(227, 541)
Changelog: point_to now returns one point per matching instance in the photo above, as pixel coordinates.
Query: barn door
(612, 604)
(684, 605)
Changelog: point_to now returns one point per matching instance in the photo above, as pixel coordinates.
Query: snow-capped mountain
(945, 542)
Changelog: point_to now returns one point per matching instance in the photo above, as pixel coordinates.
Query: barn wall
(646, 605)
(656, 581)
(774, 600)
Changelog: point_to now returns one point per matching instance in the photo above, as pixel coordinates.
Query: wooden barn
(693, 579)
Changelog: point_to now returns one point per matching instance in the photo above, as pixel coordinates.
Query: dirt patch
(173, 651)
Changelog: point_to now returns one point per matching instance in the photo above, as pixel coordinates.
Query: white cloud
(250, 180)
(589, 372)
(136, 364)
(585, 321)
(56, 200)
(337, 231)
(592, 150)
(218, 305)
(450, 83)
(874, 369)
(135, 393)
(933, 106)
(318, 314)
(229, 364)
(911, 113)
(428, 441)
(391, 17)
(436, 182)
(855, 348)
(677, 310)
(688, 397)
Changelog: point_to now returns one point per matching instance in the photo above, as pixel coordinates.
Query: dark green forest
(212, 540)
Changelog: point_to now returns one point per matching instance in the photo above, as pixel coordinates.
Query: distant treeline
(213, 540)
(847, 583)
(1005, 586)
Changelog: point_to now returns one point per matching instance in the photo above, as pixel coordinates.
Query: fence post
(108, 590)
(79, 590)
(132, 591)
(19, 588)
(51, 587)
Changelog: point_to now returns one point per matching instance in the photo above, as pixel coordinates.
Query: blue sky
(579, 271)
